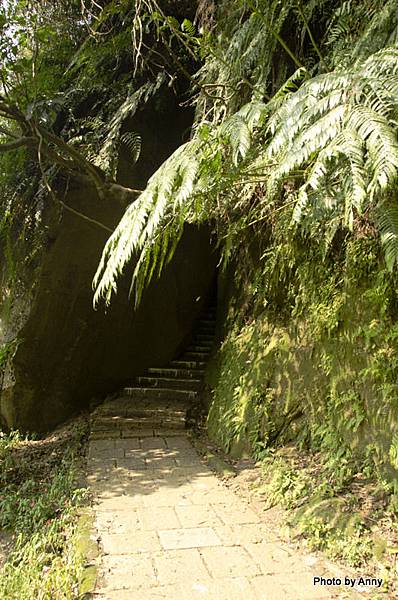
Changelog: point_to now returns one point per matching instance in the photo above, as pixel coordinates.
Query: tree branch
(94, 173)
(23, 141)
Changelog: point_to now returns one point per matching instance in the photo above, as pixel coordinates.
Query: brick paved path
(170, 530)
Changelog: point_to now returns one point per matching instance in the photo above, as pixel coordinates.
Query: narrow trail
(169, 528)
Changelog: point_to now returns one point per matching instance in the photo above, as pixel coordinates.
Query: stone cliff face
(67, 352)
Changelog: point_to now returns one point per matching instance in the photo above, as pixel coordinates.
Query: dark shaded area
(68, 352)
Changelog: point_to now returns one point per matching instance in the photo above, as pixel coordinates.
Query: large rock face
(68, 352)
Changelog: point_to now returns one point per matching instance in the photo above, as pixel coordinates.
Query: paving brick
(197, 516)
(136, 453)
(129, 571)
(131, 464)
(166, 497)
(268, 588)
(100, 445)
(104, 434)
(171, 531)
(196, 537)
(118, 522)
(118, 503)
(296, 586)
(176, 566)
(168, 592)
(187, 459)
(178, 442)
(131, 543)
(229, 561)
(163, 517)
(101, 461)
(274, 558)
(246, 533)
(104, 453)
(141, 477)
(302, 582)
(128, 444)
(177, 484)
(137, 432)
(159, 462)
(237, 588)
(218, 496)
(204, 480)
(163, 432)
(151, 443)
(113, 488)
(192, 473)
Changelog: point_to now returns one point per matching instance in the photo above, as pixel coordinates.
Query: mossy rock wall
(323, 376)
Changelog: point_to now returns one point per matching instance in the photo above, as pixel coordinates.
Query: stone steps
(151, 413)
(169, 382)
(162, 397)
(185, 374)
(209, 323)
(198, 356)
(199, 348)
(188, 364)
(204, 337)
(206, 330)
(159, 393)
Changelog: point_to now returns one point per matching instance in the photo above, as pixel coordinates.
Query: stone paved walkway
(170, 530)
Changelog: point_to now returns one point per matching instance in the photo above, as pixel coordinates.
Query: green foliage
(39, 505)
(330, 519)
(325, 147)
(108, 154)
(317, 361)
(7, 350)
(286, 485)
(353, 548)
(132, 142)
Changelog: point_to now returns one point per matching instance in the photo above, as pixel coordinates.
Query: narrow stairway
(164, 396)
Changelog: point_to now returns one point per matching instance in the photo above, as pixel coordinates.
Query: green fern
(108, 155)
(388, 225)
(334, 135)
(394, 451)
(132, 142)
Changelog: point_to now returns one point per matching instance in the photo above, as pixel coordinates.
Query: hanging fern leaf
(388, 225)
(132, 142)
(239, 136)
(108, 155)
(188, 27)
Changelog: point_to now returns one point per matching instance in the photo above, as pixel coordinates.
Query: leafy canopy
(322, 146)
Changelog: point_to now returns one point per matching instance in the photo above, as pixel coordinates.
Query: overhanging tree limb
(19, 143)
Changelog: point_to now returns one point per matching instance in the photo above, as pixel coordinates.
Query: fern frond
(107, 157)
(334, 134)
(140, 224)
(381, 143)
(387, 219)
(382, 26)
(238, 132)
(132, 141)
